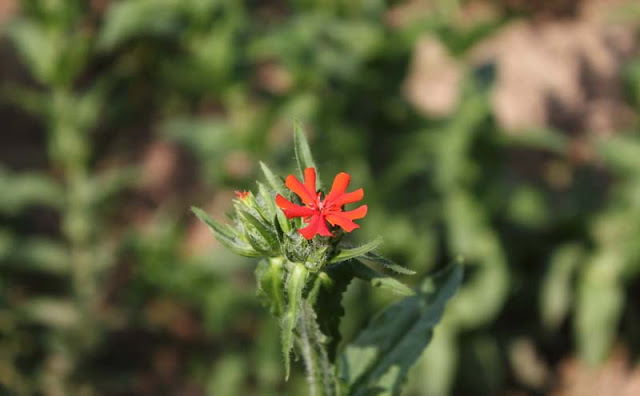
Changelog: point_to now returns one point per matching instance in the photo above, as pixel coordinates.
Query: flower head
(316, 211)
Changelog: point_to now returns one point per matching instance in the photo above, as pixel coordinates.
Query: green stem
(69, 149)
(311, 342)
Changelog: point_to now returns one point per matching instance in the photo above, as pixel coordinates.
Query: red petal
(310, 180)
(292, 210)
(305, 195)
(342, 221)
(356, 213)
(316, 226)
(339, 187)
(353, 196)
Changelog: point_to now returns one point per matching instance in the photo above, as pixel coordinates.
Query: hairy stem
(311, 342)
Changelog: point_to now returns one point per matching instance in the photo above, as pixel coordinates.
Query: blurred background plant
(504, 131)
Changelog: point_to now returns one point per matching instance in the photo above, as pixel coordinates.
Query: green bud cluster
(260, 229)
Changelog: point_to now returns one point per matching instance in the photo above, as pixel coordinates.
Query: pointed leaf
(276, 184)
(278, 187)
(267, 201)
(378, 360)
(257, 245)
(303, 152)
(599, 305)
(24, 189)
(37, 254)
(262, 228)
(345, 254)
(225, 235)
(386, 263)
(51, 312)
(558, 286)
(378, 279)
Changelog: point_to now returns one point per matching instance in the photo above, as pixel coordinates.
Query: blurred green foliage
(105, 289)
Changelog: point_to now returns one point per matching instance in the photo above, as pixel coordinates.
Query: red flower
(317, 211)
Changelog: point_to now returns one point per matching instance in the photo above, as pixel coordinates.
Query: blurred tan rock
(559, 73)
(171, 315)
(8, 8)
(614, 378)
(274, 77)
(238, 164)
(474, 12)
(463, 15)
(407, 12)
(433, 83)
(160, 167)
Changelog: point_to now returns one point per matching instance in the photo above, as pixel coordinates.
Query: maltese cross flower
(317, 211)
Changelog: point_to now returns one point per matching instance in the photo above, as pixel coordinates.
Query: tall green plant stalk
(307, 264)
(320, 374)
(70, 151)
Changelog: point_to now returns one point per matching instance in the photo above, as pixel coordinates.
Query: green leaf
(599, 305)
(278, 187)
(39, 51)
(31, 101)
(378, 279)
(111, 182)
(295, 283)
(386, 263)
(262, 228)
(269, 202)
(303, 153)
(229, 375)
(53, 312)
(34, 253)
(378, 360)
(225, 235)
(620, 152)
(25, 189)
(127, 19)
(345, 254)
(327, 303)
(557, 286)
(256, 244)
(270, 279)
(266, 202)
(276, 184)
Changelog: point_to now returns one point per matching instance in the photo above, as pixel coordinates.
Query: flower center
(320, 205)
